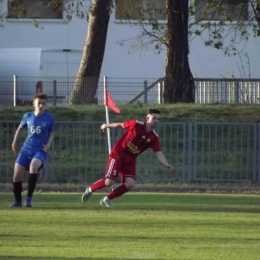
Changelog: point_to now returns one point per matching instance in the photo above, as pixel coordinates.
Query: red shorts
(123, 166)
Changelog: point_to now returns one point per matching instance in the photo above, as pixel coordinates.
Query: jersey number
(36, 129)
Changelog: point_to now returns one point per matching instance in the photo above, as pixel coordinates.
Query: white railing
(20, 90)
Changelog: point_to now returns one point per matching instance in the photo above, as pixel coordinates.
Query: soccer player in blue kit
(35, 148)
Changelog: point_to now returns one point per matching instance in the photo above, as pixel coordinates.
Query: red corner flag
(110, 102)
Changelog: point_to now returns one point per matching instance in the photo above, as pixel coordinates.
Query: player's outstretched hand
(103, 127)
(170, 168)
(46, 148)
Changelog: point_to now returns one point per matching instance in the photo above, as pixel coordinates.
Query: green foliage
(218, 45)
(155, 226)
(228, 22)
(224, 23)
(246, 113)
(197, 32)
(16, 9)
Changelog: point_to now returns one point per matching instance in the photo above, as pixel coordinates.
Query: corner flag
(110, 102)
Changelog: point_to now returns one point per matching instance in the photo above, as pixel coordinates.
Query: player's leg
(119, 191)
(22, 163)
(128, 179)
(19, 171)
(109, 180)
(35, 166)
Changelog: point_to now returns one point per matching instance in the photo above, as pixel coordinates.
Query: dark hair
(40, 96)
(153, 111)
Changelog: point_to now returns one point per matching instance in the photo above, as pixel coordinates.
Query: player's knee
(34, 168)
(129, 183)
(17, 177)
(109, 182)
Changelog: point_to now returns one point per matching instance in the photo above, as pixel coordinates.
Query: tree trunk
(86, 83)
(179, 83)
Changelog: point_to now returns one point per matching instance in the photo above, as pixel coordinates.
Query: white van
(21, 70)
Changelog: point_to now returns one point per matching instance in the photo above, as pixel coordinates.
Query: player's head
(153, 117)
(40, 96)
(153, 111)
(39, 102)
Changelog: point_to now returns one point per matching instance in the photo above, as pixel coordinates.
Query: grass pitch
(141, 226)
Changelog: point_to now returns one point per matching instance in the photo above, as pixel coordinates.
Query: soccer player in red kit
(139, 136)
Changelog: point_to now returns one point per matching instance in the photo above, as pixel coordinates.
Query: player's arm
(113, 125)
(46, 147)
(15, 140)
(161, 158)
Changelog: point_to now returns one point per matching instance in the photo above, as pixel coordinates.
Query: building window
(140, 10)
(34, 9)
(228, 10)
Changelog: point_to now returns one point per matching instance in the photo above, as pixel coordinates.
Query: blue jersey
(39, 129)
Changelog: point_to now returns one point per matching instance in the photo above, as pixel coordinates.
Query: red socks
(120, 190)
(98, 185)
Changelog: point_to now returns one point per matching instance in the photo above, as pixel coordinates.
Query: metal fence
(227, 91)
(20, 90)
(198, 151)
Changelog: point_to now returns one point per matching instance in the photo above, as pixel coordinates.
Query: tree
(98, 15)
(86, 83)
(181, 28)
(178, 82)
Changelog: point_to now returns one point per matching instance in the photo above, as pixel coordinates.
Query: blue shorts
(25, 158)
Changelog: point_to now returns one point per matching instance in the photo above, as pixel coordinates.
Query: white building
(24, 46)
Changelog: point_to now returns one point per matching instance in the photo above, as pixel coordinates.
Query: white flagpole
(107, 115)
(107, 118)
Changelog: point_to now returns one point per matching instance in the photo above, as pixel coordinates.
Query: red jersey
(136, 140)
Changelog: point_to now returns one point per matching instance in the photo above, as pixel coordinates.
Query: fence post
(256, 138)
(237, 91)
(145, 92)
(54, 92)
(15, 87)
(189, 151)
(258, 153)
(46, 169)
(160, 91)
